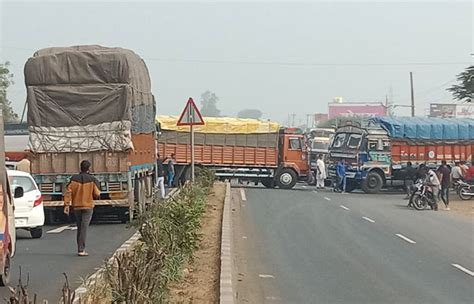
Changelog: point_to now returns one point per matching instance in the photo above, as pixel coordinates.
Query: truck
(318, 142)
(245, 149)
(92, 103)
(377, 151)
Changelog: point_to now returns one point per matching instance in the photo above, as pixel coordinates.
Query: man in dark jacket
(80, 194)
(409, 174)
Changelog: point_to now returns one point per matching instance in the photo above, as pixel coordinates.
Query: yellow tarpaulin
(221, 125)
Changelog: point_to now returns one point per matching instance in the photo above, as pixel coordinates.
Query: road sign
(191, 115)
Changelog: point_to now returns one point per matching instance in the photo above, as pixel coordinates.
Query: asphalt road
(323, 247)
(45, 260)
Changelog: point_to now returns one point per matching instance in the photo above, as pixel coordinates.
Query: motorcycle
(416, 189)
(466, 191)
(424, 197)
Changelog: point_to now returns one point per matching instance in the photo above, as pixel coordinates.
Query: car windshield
(23, 181)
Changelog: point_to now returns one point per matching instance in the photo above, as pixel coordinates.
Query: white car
(29, 211)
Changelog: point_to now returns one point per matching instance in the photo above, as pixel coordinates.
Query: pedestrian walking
(171, 170)
(160, 173)
(445, 179)
(80, 194)
(321, 172)
(341, 175)
(409, 174)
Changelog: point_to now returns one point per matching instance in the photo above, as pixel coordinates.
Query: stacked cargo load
(95, 103)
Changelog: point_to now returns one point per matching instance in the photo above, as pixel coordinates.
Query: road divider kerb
(405, 238)
(226, 288)
(82, 290)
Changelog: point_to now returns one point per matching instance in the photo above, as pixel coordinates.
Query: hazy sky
(279, 57)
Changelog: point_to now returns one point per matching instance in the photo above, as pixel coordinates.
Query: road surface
(303, 246)
(45, 259)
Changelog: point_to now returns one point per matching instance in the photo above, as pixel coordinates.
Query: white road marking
(244, 237)
(469, 272)
(368, 219)
(344, 207)
(327, 198)
(272, 298)
(303, 186)
(242, 194)
(405, 238)
(315, 191)
(266, 276)
(62, 228)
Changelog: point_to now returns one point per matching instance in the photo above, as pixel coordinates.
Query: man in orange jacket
(80, 194)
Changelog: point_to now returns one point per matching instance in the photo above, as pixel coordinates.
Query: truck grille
(46, 188)
(114, 187)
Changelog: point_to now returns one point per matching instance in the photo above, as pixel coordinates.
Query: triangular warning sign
(191, 115)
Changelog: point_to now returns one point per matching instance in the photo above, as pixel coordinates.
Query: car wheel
(36, 233)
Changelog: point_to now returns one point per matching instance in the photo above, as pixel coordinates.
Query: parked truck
(92, 103)
(377, 152)
(245, 149)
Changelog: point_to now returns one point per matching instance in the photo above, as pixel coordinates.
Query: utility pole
(412, 95)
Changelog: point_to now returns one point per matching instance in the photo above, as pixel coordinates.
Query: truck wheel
(5, 276)
(36, 233)
(373, 183)
(286, 179)
(268, 183)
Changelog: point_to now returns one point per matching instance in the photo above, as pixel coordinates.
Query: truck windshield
(354, 141)
(318, 145)
(339, 140)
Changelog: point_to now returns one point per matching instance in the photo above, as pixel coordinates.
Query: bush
(169, 237)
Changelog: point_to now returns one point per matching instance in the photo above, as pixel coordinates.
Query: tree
(209, 104)
(250, 113)
(464, 91)
(6, 80)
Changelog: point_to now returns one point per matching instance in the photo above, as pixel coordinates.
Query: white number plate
(21, 222)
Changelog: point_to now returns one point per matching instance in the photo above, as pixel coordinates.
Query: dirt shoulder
(200, 283)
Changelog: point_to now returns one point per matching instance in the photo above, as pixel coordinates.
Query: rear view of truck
(92, 103)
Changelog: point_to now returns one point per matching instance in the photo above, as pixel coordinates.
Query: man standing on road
(409, 176)
(80, 194)
(445, 178)
(433, 181)
(171, 171)
(341, 175)
(456, 172)
(160, 173)
(321, 172)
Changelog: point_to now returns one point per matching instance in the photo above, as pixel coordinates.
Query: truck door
(294, 152)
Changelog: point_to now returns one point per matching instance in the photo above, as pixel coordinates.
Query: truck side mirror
(19, 192)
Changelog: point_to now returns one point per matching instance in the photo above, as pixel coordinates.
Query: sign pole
(192, 153)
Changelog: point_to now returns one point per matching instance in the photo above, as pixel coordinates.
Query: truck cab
(293, 159)
(367, 155)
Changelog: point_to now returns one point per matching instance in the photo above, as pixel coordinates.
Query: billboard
(452, 110)
(357, 109)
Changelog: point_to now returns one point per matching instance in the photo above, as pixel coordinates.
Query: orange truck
(377, 152)
(245, 149)
(92, 103)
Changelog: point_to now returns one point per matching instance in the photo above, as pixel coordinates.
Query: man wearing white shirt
(321, 172)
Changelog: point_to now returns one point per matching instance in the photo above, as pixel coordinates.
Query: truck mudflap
(114, 203)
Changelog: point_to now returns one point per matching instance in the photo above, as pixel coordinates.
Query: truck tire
(5, 275)
(286, 179)
(268, 183)
(372, 183)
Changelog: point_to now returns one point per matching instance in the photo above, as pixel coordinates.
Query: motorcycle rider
(434, 183)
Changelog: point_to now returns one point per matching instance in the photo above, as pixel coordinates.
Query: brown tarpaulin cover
(85, 88)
